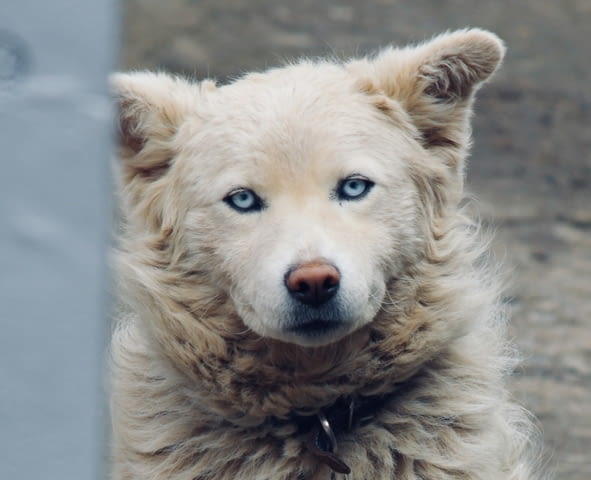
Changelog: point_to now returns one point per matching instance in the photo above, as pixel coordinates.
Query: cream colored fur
(203, 360)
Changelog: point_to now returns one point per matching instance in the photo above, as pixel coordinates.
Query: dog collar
(343, 416)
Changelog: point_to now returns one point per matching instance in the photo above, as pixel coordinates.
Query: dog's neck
(253, 379)
(324, 428)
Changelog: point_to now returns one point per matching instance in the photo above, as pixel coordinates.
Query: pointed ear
(151, 108)
(435, 83)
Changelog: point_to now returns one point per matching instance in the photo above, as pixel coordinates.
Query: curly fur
(195, 390)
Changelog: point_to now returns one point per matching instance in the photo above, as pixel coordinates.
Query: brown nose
(313, 283)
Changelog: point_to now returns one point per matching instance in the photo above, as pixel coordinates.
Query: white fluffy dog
(304, 296)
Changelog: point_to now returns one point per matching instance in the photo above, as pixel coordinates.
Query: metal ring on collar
(328, 430)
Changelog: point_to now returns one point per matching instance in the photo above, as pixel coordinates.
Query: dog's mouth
(311, 327)
(315, 327)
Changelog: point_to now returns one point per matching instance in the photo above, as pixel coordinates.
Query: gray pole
(55, 148)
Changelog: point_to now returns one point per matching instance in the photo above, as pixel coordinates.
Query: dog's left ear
(435, 83)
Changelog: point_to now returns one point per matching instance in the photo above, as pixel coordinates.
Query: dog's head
(300, 194)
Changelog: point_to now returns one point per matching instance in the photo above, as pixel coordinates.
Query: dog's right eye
(244, 200)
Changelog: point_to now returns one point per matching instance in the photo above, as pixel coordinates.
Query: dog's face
(308, 205)
(295, 191)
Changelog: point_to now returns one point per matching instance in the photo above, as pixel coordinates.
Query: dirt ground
(531, 164)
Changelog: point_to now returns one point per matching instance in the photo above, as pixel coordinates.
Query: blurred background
(530, 167)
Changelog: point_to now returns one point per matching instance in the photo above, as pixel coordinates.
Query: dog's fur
(208, 367)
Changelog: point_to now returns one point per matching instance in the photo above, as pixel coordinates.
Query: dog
(303, 293)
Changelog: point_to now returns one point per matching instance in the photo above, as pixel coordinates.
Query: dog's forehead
(296, 99)
(296, 111)
(301, 127)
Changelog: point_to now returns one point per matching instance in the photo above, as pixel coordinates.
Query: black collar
(343, 416)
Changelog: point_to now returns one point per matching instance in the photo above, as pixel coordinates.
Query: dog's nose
(313, 283)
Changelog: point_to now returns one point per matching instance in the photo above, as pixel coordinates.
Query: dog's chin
(313, 333)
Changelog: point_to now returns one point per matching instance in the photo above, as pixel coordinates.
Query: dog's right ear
(151, 109)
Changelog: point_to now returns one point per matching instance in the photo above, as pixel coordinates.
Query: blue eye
(244, 200)
(354, 188)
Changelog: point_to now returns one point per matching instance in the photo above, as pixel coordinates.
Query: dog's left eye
(354, 188)
(244, 200)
